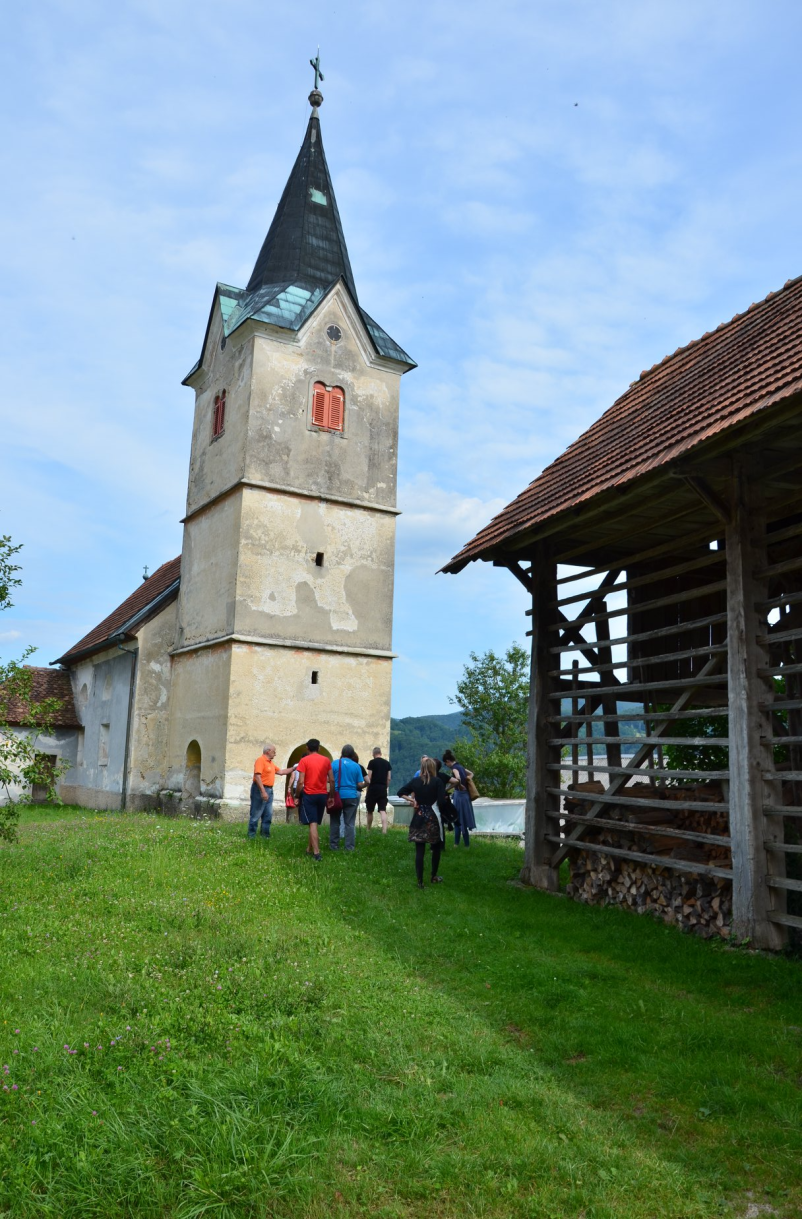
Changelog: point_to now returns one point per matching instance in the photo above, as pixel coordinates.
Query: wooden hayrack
(663, 555)
(698, 625)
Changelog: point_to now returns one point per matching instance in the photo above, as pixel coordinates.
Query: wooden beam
(656, 831)
(537, 870)
(752, 899)
(658, 861)
(645, 751)
(708, 496)
(515, 567)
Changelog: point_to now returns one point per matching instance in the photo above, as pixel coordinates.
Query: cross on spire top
(315, 63)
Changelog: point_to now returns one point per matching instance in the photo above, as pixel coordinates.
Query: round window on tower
(334, 333)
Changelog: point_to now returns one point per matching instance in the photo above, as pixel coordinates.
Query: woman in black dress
(423, 793)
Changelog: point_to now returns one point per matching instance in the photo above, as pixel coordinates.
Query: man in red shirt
(315, 782)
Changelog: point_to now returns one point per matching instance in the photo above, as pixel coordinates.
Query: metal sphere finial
(315, 99)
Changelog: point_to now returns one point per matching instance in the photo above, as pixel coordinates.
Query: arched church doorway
(295, 756)
(192, 776)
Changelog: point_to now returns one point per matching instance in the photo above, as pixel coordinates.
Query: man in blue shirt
(348, 783)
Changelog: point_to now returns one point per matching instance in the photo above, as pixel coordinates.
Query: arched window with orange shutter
(219, 415)
(336, 409)
(320, 404)
(328, 407)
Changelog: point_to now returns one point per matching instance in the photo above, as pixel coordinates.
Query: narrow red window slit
(219, 416)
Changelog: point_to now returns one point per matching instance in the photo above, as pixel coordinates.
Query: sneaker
(318, 858)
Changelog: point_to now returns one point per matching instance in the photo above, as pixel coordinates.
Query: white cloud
(532, 254)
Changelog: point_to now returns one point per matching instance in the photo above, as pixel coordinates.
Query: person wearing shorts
(379, 772)
(315, 782)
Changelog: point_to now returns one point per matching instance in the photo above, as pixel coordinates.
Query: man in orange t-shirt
(315, 781)
(264, 776)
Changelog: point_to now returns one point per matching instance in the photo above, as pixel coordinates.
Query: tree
(19, 759)
(493, 695)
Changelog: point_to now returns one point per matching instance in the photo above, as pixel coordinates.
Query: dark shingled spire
(303, 257)
(305, 242)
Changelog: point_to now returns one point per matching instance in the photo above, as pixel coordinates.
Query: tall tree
(493, 695)
(20, 762)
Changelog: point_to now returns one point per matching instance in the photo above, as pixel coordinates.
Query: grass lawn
(192, 1024)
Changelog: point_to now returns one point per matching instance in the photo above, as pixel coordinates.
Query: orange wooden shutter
(320, 403)
(337, 409)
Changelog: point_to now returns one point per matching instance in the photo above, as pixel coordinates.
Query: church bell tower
(285, 607)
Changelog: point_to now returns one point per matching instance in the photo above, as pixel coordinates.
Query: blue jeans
(261, 810)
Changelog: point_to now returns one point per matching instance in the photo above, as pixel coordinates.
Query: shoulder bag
(334, 803)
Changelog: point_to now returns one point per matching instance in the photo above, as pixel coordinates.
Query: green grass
(252, 1034)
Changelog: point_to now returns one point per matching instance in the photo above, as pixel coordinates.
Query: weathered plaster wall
(63, 745)
(150, 724)
(281, 593)
(209, 572)
(199, 709)
(284, 448)
(216, 464)
(101, 686)
(273, 699)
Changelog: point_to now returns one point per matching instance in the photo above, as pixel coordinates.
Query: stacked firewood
(694, 901)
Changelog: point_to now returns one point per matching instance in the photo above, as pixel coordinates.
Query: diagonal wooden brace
(636, 761)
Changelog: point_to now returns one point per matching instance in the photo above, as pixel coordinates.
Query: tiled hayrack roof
(48, 683)
(120, 624)
(730, 373)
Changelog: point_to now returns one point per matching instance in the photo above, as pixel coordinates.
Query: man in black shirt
(378, 782)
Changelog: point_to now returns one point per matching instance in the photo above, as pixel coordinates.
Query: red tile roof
(47, 683)
(742, 367)
(137, 604)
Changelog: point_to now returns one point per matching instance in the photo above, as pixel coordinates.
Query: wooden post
(607, 678)
(536, 870)
(575, 711)
(749, 753)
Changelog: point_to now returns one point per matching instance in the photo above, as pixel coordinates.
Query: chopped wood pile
(694, 901)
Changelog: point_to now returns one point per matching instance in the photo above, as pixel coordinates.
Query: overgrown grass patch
(194, 1024)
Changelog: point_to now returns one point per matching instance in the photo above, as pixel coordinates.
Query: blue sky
(539, 199)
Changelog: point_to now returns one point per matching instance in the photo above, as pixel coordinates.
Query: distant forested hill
(418, 734)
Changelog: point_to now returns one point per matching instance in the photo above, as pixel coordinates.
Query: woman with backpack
(463, 806)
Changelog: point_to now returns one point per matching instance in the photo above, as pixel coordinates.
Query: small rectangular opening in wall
(319, 559)
(103, 746)
(315, 675)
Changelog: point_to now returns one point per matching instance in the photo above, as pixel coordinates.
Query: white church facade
(275, 623)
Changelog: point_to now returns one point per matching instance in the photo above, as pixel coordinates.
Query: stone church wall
(101, 686)
(273, 699)
(283, 594)
(150, 725)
